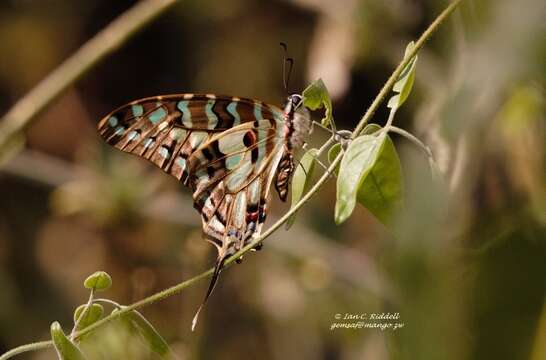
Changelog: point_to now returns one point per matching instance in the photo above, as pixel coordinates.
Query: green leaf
(92, 315)
(382, 190)
(405, 81)
(355, 166)
(147, 332)
(371, 129)
(66, 349)
(316, 96)
(332, 154)
(99, 281)
(301, 181)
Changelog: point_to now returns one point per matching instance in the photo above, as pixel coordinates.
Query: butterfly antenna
(290, 62)
(213, 281)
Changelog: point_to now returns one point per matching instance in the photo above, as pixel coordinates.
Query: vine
(367, 143)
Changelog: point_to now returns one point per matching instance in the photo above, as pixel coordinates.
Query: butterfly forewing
(167, 129)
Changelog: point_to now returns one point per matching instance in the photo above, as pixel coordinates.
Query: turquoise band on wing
(113, 121)
(133, 135)
(164, 153)
(232, 110)
(157, 115)
(137, 110)
(211, 116)
(258, 111)
(186, 113)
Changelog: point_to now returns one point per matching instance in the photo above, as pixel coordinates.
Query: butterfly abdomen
(284, 173)
(297, 127)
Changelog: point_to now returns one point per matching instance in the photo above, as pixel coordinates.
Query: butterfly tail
(215, 275)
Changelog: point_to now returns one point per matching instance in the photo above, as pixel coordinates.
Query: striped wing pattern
(241, 161)
(226, 149)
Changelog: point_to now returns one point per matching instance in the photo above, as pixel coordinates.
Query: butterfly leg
(238, 246)
(255, 248)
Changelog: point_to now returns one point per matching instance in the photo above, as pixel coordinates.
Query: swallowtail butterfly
(228, 150)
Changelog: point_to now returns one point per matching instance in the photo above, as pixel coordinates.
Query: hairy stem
(108, 301)
(179, 287)
(396, 74)
(83, 313)
(390, 119)
(412, 138)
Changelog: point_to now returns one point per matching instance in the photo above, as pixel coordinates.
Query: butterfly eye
(296, 100)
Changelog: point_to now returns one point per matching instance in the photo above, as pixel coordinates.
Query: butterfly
(227, 150)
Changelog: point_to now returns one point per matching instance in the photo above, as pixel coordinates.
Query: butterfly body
(228, 150)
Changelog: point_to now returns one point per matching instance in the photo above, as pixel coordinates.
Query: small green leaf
(301, 181)
(405, 81)
(92, 315)
(332, 154)
(147, 332)
(99, 281)
(381, 191)
(355, 166)
(371, 129)
(66, 349)
(316, 96)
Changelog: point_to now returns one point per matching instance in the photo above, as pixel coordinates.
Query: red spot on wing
(249, 139)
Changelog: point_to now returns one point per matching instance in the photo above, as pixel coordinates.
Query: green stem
(24, 112)
(431, 162)
(40, 345)
(412, 138)
(390, 119)
(396, 74)
(324, 146)
(108, 301)
(179, 287)
(83, 313)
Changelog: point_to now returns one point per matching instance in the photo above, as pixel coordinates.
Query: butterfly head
(295, 100)
(298, 121)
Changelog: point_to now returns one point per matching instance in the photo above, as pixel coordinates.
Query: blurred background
(464, 264)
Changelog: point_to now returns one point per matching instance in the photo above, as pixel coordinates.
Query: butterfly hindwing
(235, 155)
(231, 219)
(229, 175)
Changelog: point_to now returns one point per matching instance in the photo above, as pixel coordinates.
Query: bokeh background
(464, 265)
